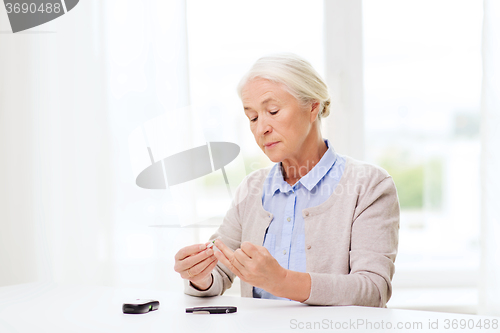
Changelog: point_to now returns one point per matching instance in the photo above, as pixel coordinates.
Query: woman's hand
(195, 263)
(252, 264)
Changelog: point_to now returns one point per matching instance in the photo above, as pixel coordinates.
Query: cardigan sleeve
(230, 234)
(374, 244)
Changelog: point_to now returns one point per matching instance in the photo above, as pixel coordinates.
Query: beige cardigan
(351, 239)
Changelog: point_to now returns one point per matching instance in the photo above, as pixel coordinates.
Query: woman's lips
(271, 145)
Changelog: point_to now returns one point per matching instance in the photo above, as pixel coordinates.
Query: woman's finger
(238, 265)
(189, 250)
(192, 260)
(249, 249)
(223, 248)
(209, 268)
(241, 258)
(227, 262)
(200, 267)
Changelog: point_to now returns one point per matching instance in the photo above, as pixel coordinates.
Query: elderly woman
(317, 227)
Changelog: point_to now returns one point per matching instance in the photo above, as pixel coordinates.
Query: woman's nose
(263, 127)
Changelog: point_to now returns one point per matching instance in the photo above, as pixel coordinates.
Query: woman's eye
(271, 112)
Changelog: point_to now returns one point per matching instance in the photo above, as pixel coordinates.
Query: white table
(47, 307)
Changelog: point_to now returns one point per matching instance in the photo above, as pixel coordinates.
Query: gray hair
(297, 75)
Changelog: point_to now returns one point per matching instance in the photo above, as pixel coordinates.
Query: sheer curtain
(71, 92)
(148, 80)
(489, 284)
(56, 194)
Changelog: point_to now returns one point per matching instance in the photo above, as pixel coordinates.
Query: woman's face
(279, 122)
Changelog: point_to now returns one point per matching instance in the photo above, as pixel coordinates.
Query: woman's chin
(275, 158)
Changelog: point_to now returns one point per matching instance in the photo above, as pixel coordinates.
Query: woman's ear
(314, 110)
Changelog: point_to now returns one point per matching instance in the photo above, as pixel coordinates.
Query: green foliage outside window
(419, 185)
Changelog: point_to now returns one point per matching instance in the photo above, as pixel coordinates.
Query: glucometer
(140, 306)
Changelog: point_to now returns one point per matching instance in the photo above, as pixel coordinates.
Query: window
(422, 79)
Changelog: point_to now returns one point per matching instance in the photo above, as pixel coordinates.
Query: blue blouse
(285, 237)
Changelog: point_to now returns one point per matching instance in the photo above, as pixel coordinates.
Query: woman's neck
(293, 169)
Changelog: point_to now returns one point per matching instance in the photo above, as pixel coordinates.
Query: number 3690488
(33, 8)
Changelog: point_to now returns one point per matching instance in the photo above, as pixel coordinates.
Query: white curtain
(148, 79)
(489, 284)
(55, 150)
(71, 92)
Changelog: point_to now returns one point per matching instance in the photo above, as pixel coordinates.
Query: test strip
(212, 243)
